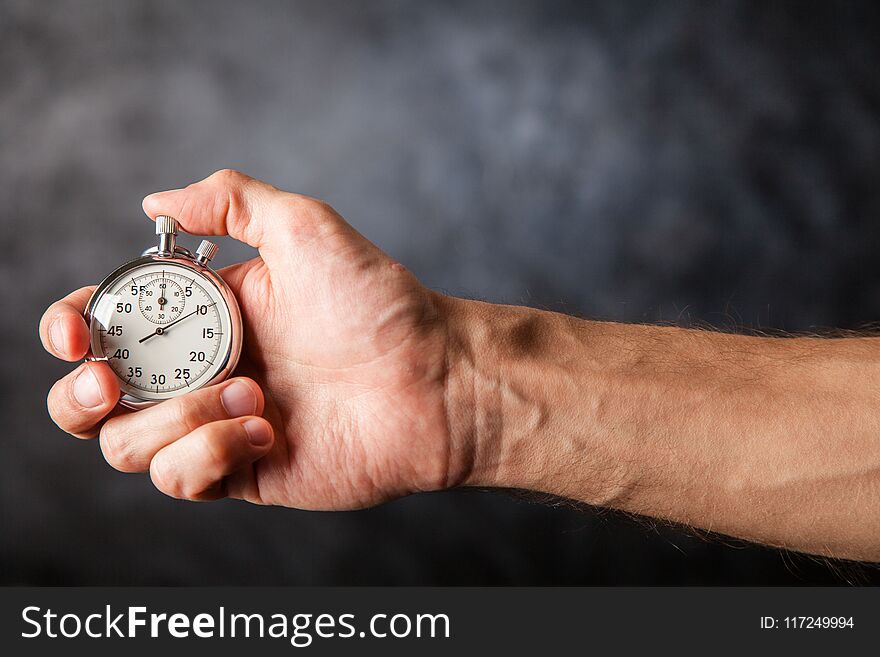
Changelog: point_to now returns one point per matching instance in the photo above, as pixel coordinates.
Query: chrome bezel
(185, 258)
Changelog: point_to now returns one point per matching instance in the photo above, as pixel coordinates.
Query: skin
(361, 385)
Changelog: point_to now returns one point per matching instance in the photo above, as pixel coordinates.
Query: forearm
(775, 440)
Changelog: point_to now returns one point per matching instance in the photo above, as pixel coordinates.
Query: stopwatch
(165, 323)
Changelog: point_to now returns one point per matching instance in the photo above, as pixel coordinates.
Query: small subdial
(161, 300)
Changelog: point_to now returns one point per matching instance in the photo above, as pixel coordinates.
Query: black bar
(499, 621)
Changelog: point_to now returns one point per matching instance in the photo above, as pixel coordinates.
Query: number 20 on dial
(165, 323)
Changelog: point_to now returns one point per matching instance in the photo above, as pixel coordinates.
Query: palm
(352, 363)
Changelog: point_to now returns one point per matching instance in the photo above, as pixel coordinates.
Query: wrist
(460, 407)
(523, 395)
(474, 408)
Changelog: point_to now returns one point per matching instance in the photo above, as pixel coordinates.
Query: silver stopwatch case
(168, 252)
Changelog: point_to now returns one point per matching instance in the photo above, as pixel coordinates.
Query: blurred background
(694, 162)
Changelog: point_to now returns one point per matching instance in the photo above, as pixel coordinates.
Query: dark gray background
(691, 162)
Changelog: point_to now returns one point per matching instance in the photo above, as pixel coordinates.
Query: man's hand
(345, 356)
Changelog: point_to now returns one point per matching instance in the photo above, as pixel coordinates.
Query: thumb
(231, 203)
(225, 203)
(277, 223)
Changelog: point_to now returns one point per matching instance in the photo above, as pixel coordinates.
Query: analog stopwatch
(165, 323)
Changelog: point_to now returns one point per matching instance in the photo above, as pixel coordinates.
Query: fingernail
(56, 335)
(258, 432)
(238, 399)
(86, 389)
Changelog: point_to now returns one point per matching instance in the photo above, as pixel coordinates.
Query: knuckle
(229, 178)
(217, 452)
(314, 208)
(181, 414)
(322, 208)
(165, 479)
(182, 488)
(307, 218)
(194, 410)
(116, 448)
(185, 490)
(62, 407)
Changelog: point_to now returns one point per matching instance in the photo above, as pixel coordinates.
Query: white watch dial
(163, 328)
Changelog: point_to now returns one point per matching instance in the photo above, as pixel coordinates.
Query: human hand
(342, 399)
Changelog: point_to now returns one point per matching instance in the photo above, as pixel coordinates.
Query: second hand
(161, 329)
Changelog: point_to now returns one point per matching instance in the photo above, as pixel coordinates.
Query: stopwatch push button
(206, 251)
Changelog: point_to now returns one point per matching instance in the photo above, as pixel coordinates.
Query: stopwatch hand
(161, 329)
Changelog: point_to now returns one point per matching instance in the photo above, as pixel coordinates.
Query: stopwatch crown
(166, 225)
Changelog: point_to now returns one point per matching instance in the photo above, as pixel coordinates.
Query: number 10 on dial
(165, 323)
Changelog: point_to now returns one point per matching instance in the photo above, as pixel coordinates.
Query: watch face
(164, 329)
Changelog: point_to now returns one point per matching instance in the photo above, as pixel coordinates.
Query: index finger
(63, 328)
